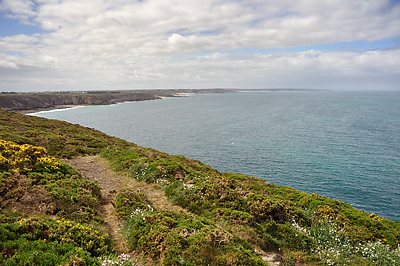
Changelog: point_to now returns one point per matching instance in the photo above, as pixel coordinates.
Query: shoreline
(49, 109)
(72, 106)
(55, 109)
(37, 102)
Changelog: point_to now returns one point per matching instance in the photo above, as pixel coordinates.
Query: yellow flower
(3, 160)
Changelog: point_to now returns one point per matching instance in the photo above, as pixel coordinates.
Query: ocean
(343, 145)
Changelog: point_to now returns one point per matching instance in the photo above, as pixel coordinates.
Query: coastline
(28, 103)
(72, 106)
(35, 102)
(50, 109)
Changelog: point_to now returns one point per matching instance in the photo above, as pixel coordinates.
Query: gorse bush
(28, 158)
(30, 179)
(33, 181)
(23, 158)
(33, 241)
(86, 236)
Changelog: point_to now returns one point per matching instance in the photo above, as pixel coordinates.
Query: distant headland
(31, 101)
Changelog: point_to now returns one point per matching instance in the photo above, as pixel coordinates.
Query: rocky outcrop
(32, 101)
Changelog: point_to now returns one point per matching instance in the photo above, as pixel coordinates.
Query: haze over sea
(343, 145)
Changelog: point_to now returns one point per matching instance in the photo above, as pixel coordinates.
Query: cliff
(32, 101)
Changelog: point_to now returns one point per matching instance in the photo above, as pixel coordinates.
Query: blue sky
(10, 27)
(247, 44)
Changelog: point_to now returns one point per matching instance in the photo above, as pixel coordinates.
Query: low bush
(33, 241)
(185, 239)
(129, 202)
(30, 178)
(61, 139)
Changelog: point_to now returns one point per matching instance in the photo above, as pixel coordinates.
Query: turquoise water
(343, 145)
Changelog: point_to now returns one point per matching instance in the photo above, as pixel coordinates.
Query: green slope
(230, 219)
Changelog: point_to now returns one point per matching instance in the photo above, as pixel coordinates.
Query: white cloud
(19, 9)
(177, 43)
(20, 38)
(8, 64)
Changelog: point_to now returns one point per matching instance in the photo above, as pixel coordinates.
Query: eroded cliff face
(21, 102)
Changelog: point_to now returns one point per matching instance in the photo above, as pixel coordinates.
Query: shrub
(61, 139)
(129, 202)
(143, 172)
(185, 239)
(36, 241)
(30, 178)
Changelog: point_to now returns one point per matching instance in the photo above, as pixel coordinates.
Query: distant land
(29, 101)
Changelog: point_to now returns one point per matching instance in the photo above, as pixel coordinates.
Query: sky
(60, 45)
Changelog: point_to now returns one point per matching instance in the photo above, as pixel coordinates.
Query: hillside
(72, 195)
(32, 101)
(21, 102)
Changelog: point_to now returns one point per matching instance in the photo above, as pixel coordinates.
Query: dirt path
(98, 169)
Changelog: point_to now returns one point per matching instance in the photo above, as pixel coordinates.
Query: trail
(98, 169)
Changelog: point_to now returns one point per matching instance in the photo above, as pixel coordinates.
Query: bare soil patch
(98, 169)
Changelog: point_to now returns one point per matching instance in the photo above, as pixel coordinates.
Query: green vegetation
(32, 179)
(50, 213)
(32, 101)
(61, 139)
(35, 186)
(34, 241)
(186, 239)
(308, 228)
